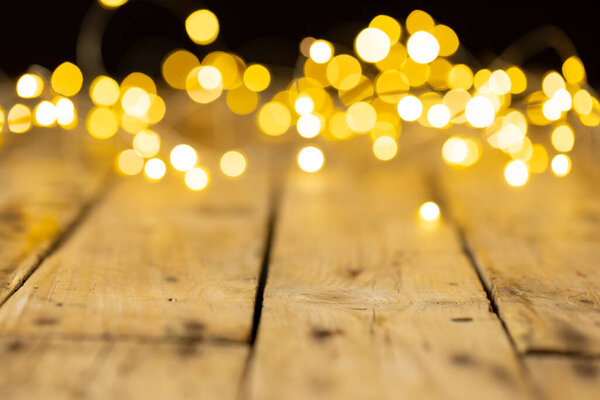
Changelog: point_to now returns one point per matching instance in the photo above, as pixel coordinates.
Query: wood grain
(152, 260)
(538, 249)
(566, 377)
(45, 183)
(98, 370)
(363, 301)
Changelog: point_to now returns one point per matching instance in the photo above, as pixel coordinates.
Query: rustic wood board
(152, 261)
(98, 370)
(364, 301)
(566, 377)
(538, 250)
(45, 184)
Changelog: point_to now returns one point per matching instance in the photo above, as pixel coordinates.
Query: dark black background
(141, 32)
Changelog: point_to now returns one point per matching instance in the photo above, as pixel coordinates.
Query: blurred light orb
(233, 163)
(438, 115)
(102, 122)
(423, 47)
(257, 78)
(146, 143)
(499, 82)
(129, 162)
(372, 45)
(183, 157)
(19, 118)
(516, 173)
(304, 105)
(320, 51)
(410, 108)
(308, 126)
(480, 112)
(45, 113)
(385, 148)
(551, 110)
(561, 165)
(135, 102)
(202, 26)
(563, 99)
(66, 79)
(104, 91)
(30, 86)
(563, 138)
(310, 159)
(196, 178)
(455, 150)
(110, 4)
(155, 169)
(274, 118)
(209, 77)
(429, 211)
(65, 112)
(361, 117)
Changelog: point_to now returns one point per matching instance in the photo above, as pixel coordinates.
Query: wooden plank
(538, 249)
(45, 183)
(58, 369)
(566, 377)
(153, 260)
(364, 301)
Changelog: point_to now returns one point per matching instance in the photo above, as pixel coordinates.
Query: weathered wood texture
(45, 183)
(99, 370)
(538, 250)
(365, 302)
(152, 261)
(565, 377)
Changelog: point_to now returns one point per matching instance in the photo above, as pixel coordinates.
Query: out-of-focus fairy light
(274, 118)
(389, 25)
(308, 125)
(104, 91)
(19, 118)
(65, 112)
(339, 127)
(461, 152)
(304, 105)
(438, 115)
(539, 159)
(410, 108)
(45, 113)
(419, 20)
(344, 72)
(242, 100)
(102, 122)
(66, 79)
(480, 112)
(361, 116)
(518, 80)
(429, 211)
(233, 163)
(562, 97)
(135, 102)
(209, 77)
(156, 111)
(30, 86)
(551, 83)
(197, 178)
(516, 173)
(372, 45)
(138, 80)
(257, 78)
(447, 39)
(111, 4)
(146, 143)
(202, 26)
(561, 165)
(573, 70)
(499, 82)
(460, 77)
(563, 138)
(310, 159)
(551, 110)
(423, 47)
(129, 162)
(155, 169)
(583, 102)
(385, 148)
(183, 157)
(321, 51)
(176, 67)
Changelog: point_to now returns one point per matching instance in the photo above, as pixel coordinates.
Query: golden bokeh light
(176, 67)
(308, 125)
(361, 117)
(389, 25)
(233, 163)
(197, 178)
(19, 118)
(242, 100)
(429, 212)
(66, 79)
(310, 159)
(423, 47)
(372, 45)
(155, 169)
(563, 138)
(30, 86)
(385, 148)
(183, 157)
(419, 20)
(45, 114)
(480, 112)
(321, 51)
(129, 162)
(102, 122)
(573, 70)
(561, 165)
(410, 108)
(516, 173)
(257, 77)
(146, 143)
(112, 4)
(438, 115)
(104, 91)
(202, 26)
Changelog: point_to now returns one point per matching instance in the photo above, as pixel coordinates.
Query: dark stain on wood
(586, 301)
(585, 369)
(572, 336)
(45, 321)
(320, 334)
(193, 326)
(354, 272)
(501, 374)
(171, 279)
(15, 346)
(464, 360)
(462, 319)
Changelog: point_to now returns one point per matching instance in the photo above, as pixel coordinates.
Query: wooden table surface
(287, 285)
